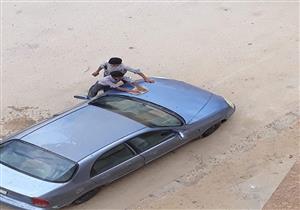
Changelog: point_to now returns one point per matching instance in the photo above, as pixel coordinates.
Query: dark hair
(116, 74)
(115, 60)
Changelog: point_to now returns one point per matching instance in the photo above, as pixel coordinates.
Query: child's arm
(145, 78)
(96, 73)
(141, 74)
(127, 90)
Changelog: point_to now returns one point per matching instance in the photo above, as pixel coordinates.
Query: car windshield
(36, 161)
(138, 110)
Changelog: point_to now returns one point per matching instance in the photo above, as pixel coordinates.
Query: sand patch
(19, 118)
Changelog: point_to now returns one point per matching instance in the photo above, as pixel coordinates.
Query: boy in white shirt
(110, 82)
(115, 64)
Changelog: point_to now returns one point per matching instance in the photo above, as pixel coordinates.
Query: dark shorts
(94, 89)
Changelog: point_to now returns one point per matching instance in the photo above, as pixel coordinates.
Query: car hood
(17, 182)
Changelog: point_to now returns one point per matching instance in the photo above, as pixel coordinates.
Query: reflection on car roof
(82, 132)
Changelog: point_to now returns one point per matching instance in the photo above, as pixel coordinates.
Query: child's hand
(134, 91)
(95, 73)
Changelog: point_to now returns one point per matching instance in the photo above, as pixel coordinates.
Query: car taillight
(40, 202)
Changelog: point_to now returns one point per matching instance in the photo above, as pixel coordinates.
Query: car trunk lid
(23, 187)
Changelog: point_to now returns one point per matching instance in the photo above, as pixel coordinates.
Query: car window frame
(94, 162)
(76, 165)
(157, 106)
(138, 151)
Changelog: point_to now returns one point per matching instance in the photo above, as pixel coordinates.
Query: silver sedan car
(65, 160)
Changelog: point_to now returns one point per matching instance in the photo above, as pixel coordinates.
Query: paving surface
(287, 195)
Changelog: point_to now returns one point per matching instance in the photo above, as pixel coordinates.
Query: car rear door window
(145, 141)
(111, 158)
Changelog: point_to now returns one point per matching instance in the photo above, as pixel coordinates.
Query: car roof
(184, 99)
(82, 132)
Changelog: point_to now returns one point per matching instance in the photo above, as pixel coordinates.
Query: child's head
(115, 61)
(117, 75)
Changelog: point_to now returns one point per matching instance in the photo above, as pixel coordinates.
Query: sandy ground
(248, 52)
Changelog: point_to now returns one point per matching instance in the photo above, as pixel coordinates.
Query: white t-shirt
(108, 68)
(111, 82)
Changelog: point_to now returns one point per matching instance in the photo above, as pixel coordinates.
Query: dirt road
(247, 52)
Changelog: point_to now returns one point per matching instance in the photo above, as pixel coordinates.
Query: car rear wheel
(87, 196)
(210, 130)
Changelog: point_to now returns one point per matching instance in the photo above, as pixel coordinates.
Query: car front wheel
(210, 130)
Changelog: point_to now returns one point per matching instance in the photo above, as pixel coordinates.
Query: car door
(154, 144)
(115, 163)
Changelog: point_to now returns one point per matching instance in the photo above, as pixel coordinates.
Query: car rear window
(35, 161)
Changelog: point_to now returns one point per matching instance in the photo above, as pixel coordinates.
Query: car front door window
(148, 140)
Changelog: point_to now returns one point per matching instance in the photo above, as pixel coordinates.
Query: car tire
(210, 130)
(85, 197)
